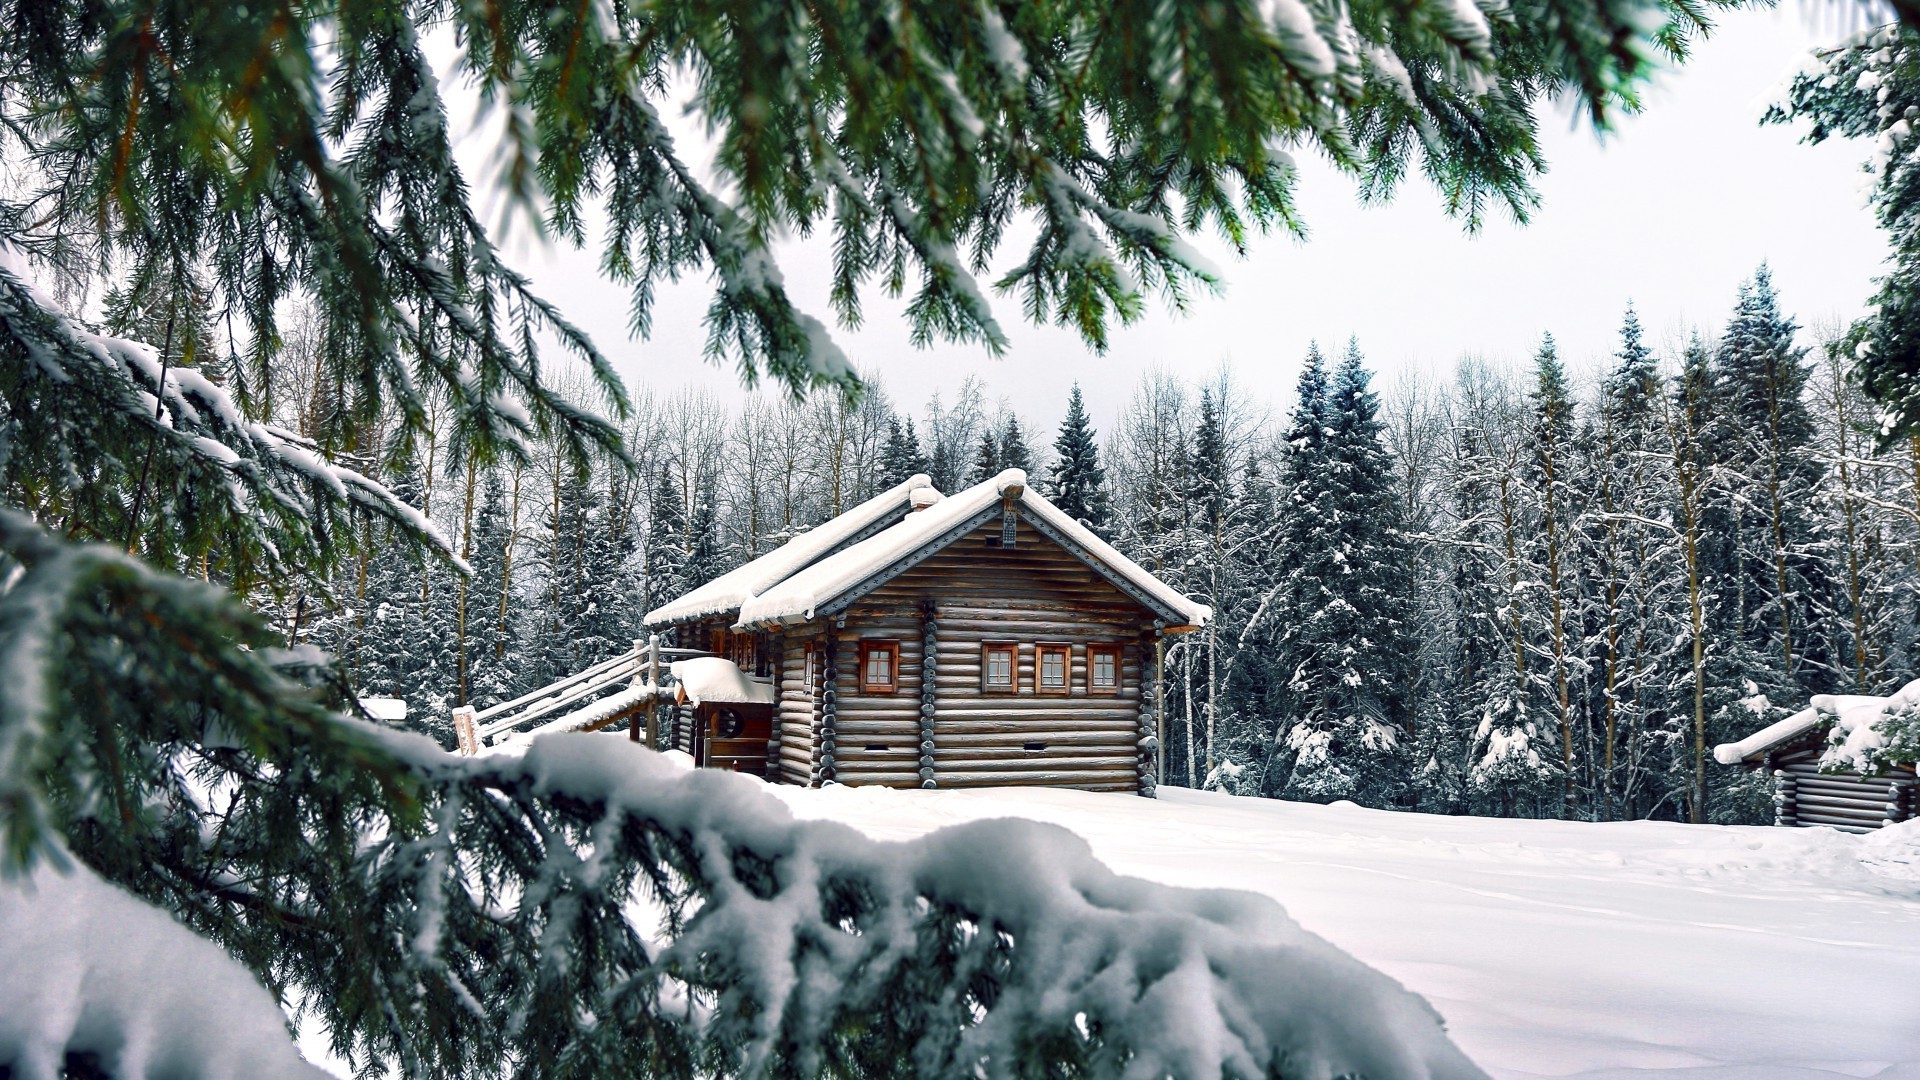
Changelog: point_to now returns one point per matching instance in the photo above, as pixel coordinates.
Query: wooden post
(464, 730)
(1784, 791)
(1899, 800)
(1147, 734)
(1159, 705)
(773, 730)
(634, 722)
(929, 670)
(829, 701)
(653, 677)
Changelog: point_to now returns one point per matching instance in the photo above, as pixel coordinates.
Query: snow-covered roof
(728, 591)
(1858, 717)
(1733, 753)
(715, 678)
(384, 708)
(799, 597)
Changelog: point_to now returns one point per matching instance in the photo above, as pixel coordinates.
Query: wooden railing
(634, 674)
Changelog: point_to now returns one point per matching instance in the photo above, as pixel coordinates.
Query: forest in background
(1509, 592)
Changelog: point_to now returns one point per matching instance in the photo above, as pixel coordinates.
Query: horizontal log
(1087, 778)
(1843, 795)
(1840, 798)
(947, 727)
(1805, 790)
(1037, 763)
(1028, 760)
(862, 728)
(1053, 737)
(1836, 810)
(1836, 823)
(1036, 709)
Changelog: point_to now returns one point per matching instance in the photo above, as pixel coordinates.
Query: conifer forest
(1475, 594)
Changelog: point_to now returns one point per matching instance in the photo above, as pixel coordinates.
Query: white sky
(1672, 211)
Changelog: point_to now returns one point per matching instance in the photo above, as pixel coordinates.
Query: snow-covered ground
(1553, 949)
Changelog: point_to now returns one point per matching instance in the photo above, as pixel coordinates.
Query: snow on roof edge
(802, 595)
(735, 587)
(1733, 753)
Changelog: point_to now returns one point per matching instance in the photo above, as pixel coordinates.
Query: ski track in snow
(1554, 949)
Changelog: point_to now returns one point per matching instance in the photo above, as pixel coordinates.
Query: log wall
(1807, 796)
(1032, 593)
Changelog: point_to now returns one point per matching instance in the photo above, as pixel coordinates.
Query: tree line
(1511, 591)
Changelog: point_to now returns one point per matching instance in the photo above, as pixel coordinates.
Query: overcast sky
(1672, 211)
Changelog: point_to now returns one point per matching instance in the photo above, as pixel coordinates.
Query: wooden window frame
(870, 646)
(1105, 648)
(987, 685)
(1040, 653)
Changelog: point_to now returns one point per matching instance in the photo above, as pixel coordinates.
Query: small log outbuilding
(922, 640)
(1828, 762)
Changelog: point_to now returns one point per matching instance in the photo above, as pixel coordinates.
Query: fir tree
(1342, 645)
(1550, 476)
(491, 617)
(1079, 481)
(1761, 377)
(1630, 566)
(665, 552)
(1014, 452)
(986, 458)
(901, 459)
(704, 558)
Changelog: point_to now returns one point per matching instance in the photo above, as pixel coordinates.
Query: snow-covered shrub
(1870, 735)
(98, 983)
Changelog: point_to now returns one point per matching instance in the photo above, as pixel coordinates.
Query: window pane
(1104, 673)
(1053, 668)
(1000, 667)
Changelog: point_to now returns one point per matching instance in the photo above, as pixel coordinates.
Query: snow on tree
(1554, 485)
(1864, 89)
(902, 457)
(1078, 482)
(1340, 642)
(665, 550)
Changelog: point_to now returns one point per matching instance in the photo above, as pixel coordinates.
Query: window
(879, 667)
(812, 686)
(997, 667)
(1103, 668)
(1053, 663)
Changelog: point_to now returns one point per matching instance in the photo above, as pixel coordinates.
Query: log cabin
(1823, 766)
(930, 641)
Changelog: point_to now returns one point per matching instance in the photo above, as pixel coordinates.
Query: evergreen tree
(900, 459)
(169, 308)
(1867, 89)
(665, 552)
(1079, 481)
(1550, 476)
(395, 657)
(986, 458)
(704, 558)
(1761, 377)
(1342, 646)
(492, 640)
(1014, 453)
(1631, 604)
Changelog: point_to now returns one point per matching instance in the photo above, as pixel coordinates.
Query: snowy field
(1553, 949)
